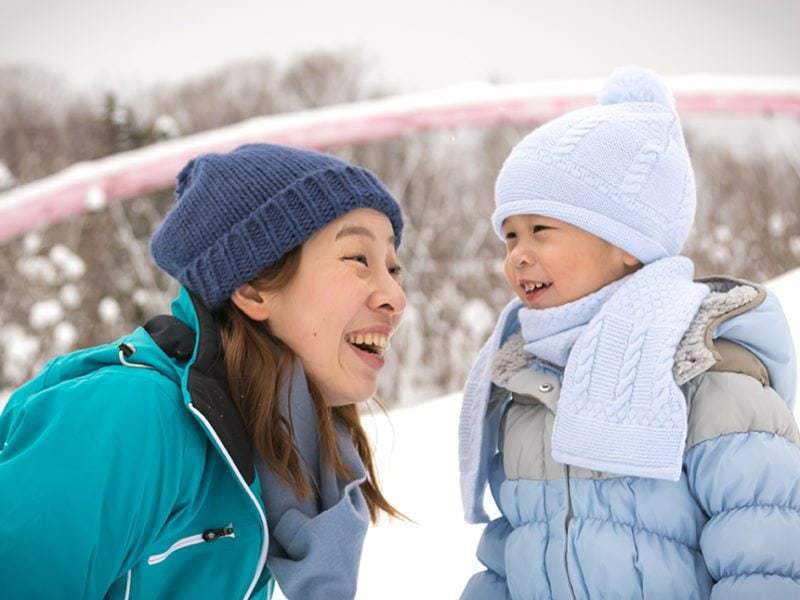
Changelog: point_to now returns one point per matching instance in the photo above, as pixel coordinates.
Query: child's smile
(533, 290)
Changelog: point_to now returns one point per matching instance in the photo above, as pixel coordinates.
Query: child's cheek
(508, 271)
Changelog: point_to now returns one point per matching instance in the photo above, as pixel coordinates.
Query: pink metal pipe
(88, 186)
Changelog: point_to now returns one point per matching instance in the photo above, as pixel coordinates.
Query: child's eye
(396, 271)
(511, 236)
(538, 228)
(358, 258)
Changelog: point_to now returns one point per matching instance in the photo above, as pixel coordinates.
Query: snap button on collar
(545, 387)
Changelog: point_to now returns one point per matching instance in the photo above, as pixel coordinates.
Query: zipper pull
(209, 535)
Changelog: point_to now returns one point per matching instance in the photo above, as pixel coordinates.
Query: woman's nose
(388, 296)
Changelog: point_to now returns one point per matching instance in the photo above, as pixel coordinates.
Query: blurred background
(89, 79)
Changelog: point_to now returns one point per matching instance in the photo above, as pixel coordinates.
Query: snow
(794, 245)
(71, 265)
(7, 179)
(70, 296)
(64, 336)
(37, 269)
(776, 224)
(166, 127)
(45, 313)
(108, 310)
(95, 198)
(787, 289)
(19, 351)
(32, 242)
(478, 316)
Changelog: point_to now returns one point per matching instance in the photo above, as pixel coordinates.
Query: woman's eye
(358, 258)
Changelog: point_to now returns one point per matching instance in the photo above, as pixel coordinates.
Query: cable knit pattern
(620, 408)
(550, 333)
(619, 169)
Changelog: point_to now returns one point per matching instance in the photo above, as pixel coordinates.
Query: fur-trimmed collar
(696, 352)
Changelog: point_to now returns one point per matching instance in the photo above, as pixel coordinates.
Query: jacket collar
(191, 336)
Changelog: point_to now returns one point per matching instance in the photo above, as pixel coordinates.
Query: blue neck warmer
(550, 333)
(315, 542)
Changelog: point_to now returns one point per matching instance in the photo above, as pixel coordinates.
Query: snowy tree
(7, 180)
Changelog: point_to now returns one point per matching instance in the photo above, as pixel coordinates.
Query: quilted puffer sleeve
(491, 583)
(743, 467)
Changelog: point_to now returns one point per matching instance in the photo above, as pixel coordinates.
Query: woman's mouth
(369, 347)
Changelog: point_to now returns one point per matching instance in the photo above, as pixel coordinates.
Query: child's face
(570, 262)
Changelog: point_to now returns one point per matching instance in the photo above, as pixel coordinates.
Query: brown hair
(254, 360)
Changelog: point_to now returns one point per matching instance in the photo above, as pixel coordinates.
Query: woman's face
(340, 310)
(549, 262)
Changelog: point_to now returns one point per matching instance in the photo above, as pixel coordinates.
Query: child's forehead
(525, 218)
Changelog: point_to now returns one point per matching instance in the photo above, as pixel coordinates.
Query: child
(634, 425)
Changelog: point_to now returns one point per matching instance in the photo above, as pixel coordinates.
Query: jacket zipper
(567, 520)
(262, 558)
(209, 535)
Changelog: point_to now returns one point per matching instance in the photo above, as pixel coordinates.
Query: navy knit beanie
(240, 212)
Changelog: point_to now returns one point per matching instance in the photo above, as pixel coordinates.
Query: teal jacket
(126, 472)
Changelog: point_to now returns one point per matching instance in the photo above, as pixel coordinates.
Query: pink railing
(122, 176)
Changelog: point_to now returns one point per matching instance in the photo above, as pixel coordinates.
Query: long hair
(255, 360)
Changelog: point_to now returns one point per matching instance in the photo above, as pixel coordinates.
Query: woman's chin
(355, 394)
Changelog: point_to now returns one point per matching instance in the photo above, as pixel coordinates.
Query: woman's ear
(252, 302)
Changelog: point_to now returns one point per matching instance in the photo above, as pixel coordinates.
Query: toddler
(634, 424)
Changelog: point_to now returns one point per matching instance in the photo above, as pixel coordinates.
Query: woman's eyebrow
(359, 230)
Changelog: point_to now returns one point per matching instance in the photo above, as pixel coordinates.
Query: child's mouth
(534, 291)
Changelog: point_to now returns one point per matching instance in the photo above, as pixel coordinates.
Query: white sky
(412, 44)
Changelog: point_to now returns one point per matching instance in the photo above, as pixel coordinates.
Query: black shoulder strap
(172, 335)
(207, 383)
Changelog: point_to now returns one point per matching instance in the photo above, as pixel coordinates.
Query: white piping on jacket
(265, 539)
(130, 364)
(183, 543)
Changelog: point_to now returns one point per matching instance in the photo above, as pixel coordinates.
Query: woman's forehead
(366, 222)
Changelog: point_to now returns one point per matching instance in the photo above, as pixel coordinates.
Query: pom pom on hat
(636, 84)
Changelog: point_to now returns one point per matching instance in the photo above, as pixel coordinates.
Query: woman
(218, 449)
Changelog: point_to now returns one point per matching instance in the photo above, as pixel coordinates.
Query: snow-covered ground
(787, 289)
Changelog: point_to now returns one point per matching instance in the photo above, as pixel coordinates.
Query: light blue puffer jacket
(728, 529)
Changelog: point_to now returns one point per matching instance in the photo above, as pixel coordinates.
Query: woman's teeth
(375, 343)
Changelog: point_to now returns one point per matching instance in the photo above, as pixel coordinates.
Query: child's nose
(522, 256)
